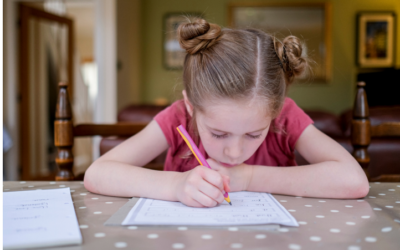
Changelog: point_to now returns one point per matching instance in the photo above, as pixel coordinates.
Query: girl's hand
(201, 187)
(240, 175)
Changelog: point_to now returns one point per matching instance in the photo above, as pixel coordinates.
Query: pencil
(200, 158)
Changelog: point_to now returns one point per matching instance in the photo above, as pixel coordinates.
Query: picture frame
(375, 43)
(311, 22)
(173, 54)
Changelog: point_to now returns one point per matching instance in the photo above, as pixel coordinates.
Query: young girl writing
(235, 107)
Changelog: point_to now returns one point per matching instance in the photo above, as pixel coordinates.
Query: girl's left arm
(332, 173)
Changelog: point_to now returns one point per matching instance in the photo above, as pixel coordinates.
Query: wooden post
(63, 135)
(361, 127)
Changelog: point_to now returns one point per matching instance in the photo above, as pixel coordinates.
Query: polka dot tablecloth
(369, 223)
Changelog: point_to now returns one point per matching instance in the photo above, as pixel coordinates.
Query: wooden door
(45, 58)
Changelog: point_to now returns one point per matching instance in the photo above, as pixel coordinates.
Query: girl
(235, 107)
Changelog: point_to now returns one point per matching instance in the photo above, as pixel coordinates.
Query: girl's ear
(189, 106)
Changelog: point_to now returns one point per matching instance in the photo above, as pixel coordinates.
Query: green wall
(335, 96)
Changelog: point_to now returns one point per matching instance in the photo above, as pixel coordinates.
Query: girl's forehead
(235, 115)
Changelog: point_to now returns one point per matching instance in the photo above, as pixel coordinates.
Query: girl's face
(231, 131)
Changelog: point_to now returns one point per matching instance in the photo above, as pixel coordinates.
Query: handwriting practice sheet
(39, 218)
(248, 208)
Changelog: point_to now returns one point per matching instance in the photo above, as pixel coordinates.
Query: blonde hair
(233, 63)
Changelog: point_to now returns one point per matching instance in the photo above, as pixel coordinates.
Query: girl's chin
(227, 165)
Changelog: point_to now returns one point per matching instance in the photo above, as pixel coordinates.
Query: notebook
(39, 218)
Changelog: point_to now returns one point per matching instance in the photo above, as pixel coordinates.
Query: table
(369, 223)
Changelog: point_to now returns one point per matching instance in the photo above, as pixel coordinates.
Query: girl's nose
(234, 151)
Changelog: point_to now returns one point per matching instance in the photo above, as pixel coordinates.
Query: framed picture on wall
(173, 54)
(375, 39)
(311, 22)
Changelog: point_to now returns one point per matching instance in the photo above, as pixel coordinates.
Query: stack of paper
(248, 208)
(39, 218)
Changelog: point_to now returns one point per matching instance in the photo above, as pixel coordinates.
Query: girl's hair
(236, 64)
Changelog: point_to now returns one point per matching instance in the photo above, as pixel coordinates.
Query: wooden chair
(362, 132)
(65, 131)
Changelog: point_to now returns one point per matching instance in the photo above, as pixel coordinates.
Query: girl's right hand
(201, 187)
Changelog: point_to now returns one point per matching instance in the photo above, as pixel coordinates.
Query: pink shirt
(276, 150)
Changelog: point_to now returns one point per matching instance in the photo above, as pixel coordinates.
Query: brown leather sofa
(384, 151)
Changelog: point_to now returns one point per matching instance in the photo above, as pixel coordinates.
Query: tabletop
(369, 223)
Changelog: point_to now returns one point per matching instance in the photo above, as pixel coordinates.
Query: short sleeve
(290, 124)
(169, 119)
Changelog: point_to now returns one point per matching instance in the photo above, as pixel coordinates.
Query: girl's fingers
(211, 191)
(204, 200)
(226, 181)
(193, 203)
(213, 177)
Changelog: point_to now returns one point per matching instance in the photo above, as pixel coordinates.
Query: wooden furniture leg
(63, 135)
(361, 127)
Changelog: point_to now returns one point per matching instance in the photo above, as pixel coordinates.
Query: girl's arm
(119, 173)
(332, 173)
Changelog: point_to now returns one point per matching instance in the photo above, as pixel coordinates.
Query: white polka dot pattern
(315, 238)
(294, 246)
(206, 237)
(99, 235)
(334, 230)
(178, 246)
(386, 229)
(120, 244)
(260, 236)
(236, 245)
(152, 236)
(370, 239)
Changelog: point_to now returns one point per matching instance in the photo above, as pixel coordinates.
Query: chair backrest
(65, 131)
(362, 131)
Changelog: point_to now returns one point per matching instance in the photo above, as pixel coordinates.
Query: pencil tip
(230, 203)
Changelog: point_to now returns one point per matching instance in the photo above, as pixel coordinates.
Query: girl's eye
(219, 136)
(254, 136)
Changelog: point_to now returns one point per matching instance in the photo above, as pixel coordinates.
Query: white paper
(39, 218)
(248, 208)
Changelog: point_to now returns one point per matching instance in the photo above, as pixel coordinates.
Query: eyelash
(224, 136)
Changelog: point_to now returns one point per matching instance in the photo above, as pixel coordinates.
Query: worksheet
(39, 218)
(248, 208)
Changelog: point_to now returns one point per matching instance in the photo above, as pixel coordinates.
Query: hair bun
(198, 35)
(290, 52)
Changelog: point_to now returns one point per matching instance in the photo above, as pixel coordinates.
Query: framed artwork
(375, 39)
(173, 54)
(311, 22)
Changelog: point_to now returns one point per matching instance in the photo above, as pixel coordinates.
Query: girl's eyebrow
(229, 132)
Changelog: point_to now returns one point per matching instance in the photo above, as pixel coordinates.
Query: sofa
(384, 151)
